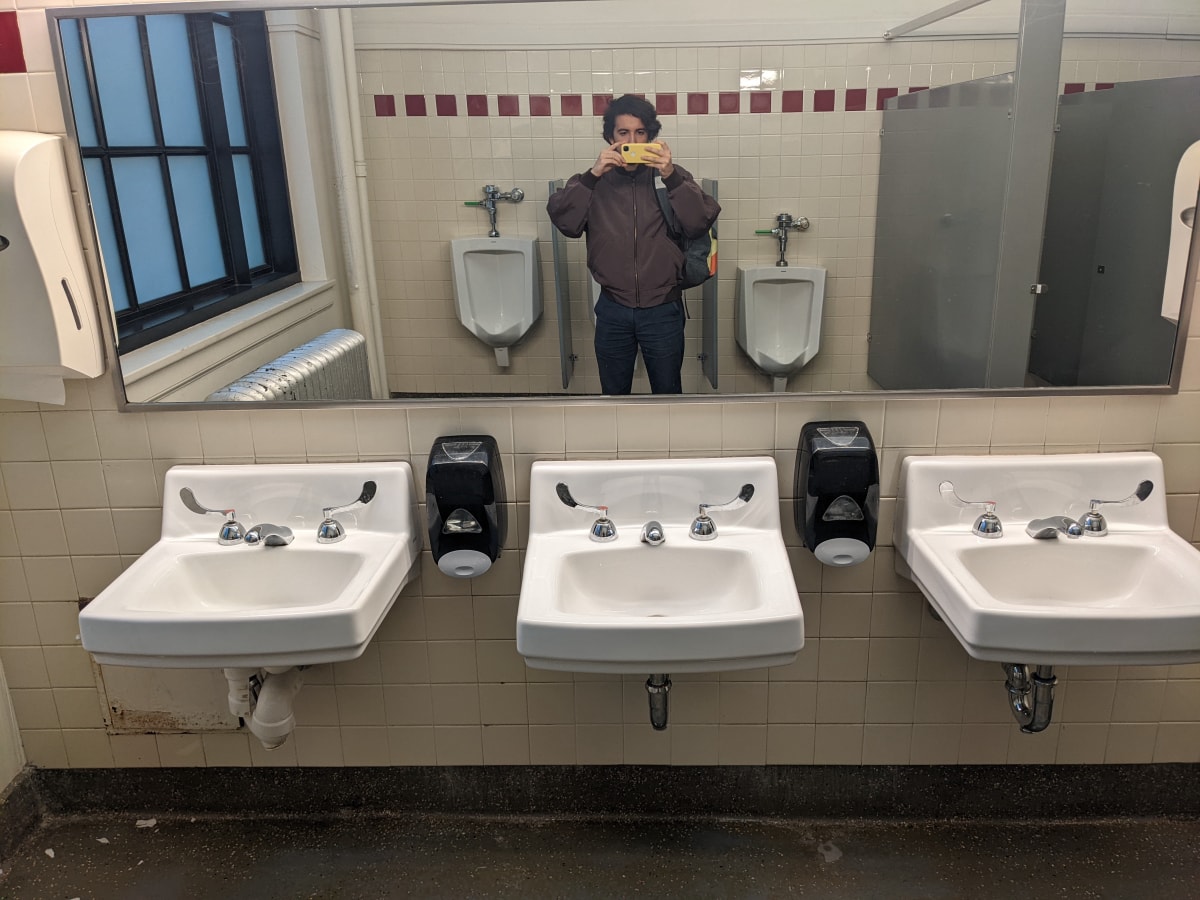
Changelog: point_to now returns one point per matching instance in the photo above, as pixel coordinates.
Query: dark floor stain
(418, 855)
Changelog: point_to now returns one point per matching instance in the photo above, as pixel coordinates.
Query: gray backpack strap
(664, 203)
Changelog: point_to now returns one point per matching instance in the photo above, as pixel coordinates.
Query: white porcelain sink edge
(684, 606)
(1125, 598)
(185, 604)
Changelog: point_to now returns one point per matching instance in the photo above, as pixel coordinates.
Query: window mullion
(110, 184)
(163, 165)
(221, 157)
(262, 119)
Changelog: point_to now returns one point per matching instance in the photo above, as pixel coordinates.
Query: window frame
(146, 322)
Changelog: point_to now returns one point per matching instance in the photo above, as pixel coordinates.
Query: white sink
(683, 606)
(1130, 597)
(189, 602)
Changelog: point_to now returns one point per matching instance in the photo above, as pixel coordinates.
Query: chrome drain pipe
(1030, 697)
(659, 689)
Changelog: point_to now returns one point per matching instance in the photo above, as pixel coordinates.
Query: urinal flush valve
(783, 224)
(491, 194)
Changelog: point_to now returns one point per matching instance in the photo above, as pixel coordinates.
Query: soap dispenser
(837, 491)
(464, 500)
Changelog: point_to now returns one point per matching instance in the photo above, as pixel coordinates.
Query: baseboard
(870, 792)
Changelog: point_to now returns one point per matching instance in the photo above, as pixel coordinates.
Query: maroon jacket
(629, 250)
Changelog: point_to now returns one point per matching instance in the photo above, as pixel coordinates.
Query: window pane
(81, 101)
(249, 205)
(148, 235)
(192, 186)
(93, 170)
(174, 81)
(227, 63)
(121, 81)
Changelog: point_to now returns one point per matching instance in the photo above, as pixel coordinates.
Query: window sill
(158, 370)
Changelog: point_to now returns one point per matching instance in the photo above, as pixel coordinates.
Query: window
(176, 121)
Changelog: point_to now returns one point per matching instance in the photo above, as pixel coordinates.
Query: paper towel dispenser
(48, 325)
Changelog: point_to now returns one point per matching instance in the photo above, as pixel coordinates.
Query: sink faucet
(231, 532)
(1093, 522)
(269, 535)
(603, 529)
(330, 531)
(703, 528)
(652, 533)
(1052, 526)
(988, 525)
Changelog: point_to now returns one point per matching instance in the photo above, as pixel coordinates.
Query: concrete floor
(421, 855)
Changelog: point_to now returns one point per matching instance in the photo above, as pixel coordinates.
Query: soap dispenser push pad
(837, 491)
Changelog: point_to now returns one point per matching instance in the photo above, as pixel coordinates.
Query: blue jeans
(622, 330)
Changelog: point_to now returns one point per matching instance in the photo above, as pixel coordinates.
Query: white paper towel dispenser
(48, 327)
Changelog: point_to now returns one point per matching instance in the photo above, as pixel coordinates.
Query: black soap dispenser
(837, 491)
(464, 501)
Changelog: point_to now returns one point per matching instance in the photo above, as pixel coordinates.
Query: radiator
(330, 367)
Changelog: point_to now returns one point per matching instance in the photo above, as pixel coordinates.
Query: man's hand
(661, 160)
(608, 160)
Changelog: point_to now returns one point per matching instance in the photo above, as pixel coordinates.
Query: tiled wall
(783, 129)
(879, 681)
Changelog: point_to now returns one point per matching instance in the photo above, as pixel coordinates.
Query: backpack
(699, 254)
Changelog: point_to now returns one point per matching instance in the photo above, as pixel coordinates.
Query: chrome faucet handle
(703, 528)
(330, 531)
(988, 524)
(652, 533)
(603, 529)
(231, 532)
(1092, 521)
(269, 535)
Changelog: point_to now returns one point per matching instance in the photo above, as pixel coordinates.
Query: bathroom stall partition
(963, 175)
(1110, 232)
(943, 178)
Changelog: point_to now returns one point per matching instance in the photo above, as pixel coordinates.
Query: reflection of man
(630, 251)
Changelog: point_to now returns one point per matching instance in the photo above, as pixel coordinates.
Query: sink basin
(189, 602)
(1129, 597)
(683, 606)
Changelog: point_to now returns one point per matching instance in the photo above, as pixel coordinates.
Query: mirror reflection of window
(183, 163)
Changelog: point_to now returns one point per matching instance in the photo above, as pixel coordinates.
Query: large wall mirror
(285, 186)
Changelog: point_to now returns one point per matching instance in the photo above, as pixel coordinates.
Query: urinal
(497, 289)
(779, 318)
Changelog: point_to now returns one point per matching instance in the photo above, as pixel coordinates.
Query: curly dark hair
(631, 105)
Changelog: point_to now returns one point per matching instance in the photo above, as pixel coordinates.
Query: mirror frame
(100, 291)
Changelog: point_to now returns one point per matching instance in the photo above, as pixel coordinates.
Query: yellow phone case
(635, 153)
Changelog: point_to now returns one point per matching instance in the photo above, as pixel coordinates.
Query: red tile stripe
(695, 103)
(12, 55)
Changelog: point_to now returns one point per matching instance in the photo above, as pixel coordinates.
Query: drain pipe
(241, 702)
(1031, 698)
(659, 689)
(263, 698)
(273, 720)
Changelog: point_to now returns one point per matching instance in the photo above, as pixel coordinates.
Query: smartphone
(636, 153)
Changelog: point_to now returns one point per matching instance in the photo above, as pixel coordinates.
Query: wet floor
(420, 855)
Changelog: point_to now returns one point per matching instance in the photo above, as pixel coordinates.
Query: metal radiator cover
(332, 366)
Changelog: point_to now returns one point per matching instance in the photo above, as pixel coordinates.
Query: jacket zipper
(637, 288)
